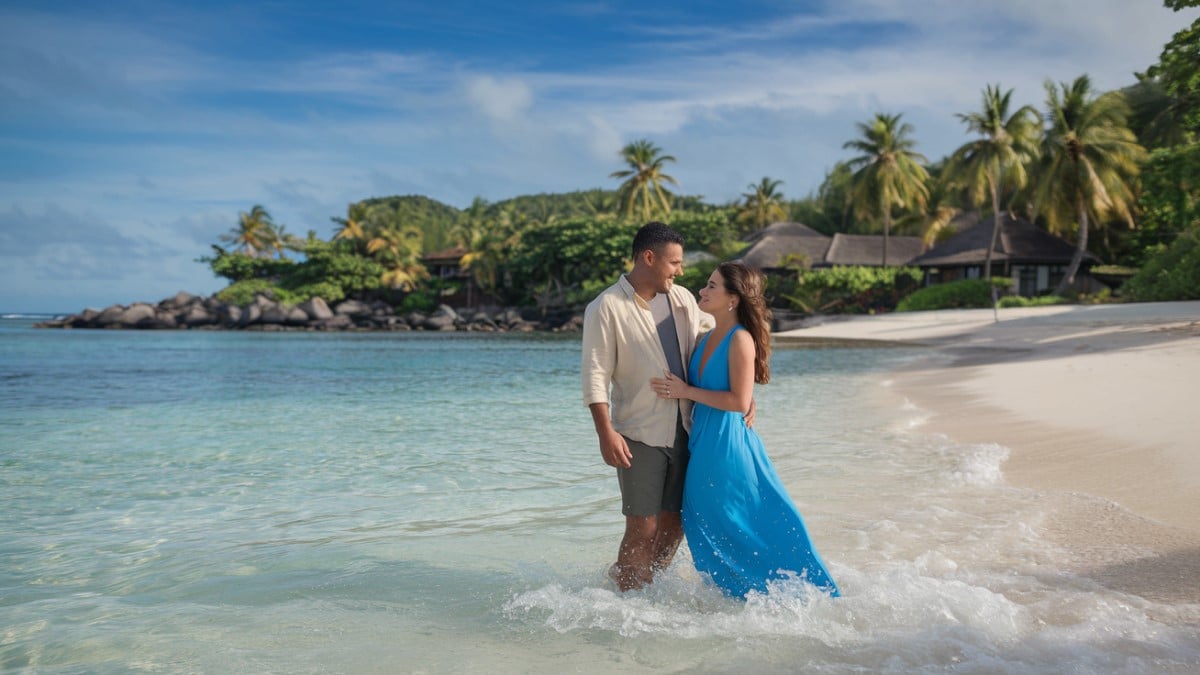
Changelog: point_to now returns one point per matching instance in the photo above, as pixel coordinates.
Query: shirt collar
(629, 290)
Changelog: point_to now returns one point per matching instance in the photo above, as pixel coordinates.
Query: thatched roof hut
(867, 249)
(782, 244)
(1019, 241)
(1033, 258)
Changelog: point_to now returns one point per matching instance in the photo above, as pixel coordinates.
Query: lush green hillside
(435, 219)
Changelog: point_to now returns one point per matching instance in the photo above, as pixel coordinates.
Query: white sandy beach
(1098, 407)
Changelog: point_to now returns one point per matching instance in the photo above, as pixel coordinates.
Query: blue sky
(133, 132)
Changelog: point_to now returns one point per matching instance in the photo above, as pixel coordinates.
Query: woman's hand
(669, 387)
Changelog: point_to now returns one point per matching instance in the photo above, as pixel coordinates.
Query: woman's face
(713, 297)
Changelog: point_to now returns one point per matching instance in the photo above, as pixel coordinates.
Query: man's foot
(626, 579)
(614, 575)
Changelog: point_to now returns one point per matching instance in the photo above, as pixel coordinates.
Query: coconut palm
(1089, 162)
(888, 173)
(398, 249)
(255, 234)
(763, 205)
(487, 238)
(986, 165)
(353, 227)
(644, 179)
(284, 241)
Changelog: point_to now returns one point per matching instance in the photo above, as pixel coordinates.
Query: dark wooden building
(1033, 258)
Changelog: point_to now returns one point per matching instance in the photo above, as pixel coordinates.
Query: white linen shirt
(622, 351)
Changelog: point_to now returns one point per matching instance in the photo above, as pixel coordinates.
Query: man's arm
(613, 447)
(599, 352)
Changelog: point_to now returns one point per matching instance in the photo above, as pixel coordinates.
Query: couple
(642, 338)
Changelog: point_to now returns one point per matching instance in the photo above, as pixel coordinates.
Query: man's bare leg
(666, 540)
(635, 558)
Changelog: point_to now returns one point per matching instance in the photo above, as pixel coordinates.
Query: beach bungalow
(784, 245)
(446, 264)
(867, 250)
(1035, 259)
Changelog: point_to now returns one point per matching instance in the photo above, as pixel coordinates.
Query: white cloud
(503, 100)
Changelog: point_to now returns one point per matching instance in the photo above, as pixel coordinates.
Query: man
(639, 328)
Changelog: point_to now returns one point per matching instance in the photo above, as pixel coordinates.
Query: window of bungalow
(1027, 280)
(1057, 272)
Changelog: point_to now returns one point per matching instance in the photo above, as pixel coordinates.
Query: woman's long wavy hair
(752, 312)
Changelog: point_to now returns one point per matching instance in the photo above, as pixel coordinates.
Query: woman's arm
(741, 380)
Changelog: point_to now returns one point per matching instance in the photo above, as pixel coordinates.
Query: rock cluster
(186, 311)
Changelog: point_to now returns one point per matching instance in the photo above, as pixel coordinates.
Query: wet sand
(1099, 408)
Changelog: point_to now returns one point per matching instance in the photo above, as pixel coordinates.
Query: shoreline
(1096, 406)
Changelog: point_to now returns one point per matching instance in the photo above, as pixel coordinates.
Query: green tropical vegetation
(1089, 161)
(1173, 274)
(888, 174)
(963, 294)
(256, 235)
(847, 290)
(763, 205)
(999, 158)
(643, 191)
(1115, 173)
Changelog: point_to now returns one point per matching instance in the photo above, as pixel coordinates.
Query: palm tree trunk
(987, 263)
(887, 225)
(1069, 278)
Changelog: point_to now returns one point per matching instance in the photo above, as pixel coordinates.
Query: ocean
(212, 502)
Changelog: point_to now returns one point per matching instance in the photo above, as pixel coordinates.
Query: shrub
(1173, 274)
(422, 300)
(1040, 301)
(965, 294)
(847, 290)
(241, 267)
(243, 292)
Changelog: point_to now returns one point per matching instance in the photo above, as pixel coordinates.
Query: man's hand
(615, 450)
(749, 416)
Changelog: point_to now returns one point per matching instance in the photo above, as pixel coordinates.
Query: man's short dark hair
(652, 236)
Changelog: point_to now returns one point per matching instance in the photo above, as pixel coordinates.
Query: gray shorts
(654, 481)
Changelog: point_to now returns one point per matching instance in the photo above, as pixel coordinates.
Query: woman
(742, 528)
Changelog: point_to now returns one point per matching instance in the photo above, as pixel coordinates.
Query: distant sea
(367, 502)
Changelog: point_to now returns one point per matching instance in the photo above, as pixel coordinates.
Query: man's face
(666, 264)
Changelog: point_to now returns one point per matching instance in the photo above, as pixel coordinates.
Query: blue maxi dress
(741, 526)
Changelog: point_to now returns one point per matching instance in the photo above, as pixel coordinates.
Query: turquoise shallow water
(299, 502)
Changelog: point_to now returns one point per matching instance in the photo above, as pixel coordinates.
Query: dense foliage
(330, 271)
(433, 218)
(965, 294)
(845, 290)
(1173, 274)
(1178, 68)
(1170, 201)
(564, 263)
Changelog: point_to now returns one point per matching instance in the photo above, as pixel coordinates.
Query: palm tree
(888, 173)
(763, 205)
(1089, 162)
(255, 234)
(354, 225)
(286, 241)
(941, 208)
(644, 179)
(1006, 145)
(398, 249)
(486, 240)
